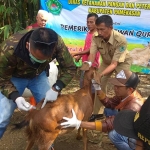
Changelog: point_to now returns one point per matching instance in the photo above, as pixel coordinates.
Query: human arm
(7, 87)
(106, 101)
(77, 58)
(139, 145)
(67, 71)
(104, 125)
(109, 69)
(67, 66)
(93, 49)
(8, 63)
(81, 52)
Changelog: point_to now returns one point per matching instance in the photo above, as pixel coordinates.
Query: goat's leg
(30, 145)
(79, 137)
(45, 146)
(46, 141)
(84, 138)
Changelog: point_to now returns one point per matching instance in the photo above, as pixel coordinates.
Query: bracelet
(101, 95)
(57, 88)
(98, 125)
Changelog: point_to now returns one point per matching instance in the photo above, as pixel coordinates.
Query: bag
(79, 63)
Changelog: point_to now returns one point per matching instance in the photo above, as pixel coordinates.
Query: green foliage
(2, 9)
(16, 15)
(5, 31)
(131, 46)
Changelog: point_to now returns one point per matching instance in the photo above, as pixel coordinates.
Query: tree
(16, 15)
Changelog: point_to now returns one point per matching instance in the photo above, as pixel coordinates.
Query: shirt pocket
(101, 50)
(111, 52)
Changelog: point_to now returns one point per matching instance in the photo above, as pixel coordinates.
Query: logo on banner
(54, 6)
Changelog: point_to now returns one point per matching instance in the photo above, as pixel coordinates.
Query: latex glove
(51, 96)
(71, 122)
(89, 62)
(86, 65)
(22, 104)
(96, 85)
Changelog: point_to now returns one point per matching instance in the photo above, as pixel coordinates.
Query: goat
(43, 124)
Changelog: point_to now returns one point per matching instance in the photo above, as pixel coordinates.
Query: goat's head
(90, 74)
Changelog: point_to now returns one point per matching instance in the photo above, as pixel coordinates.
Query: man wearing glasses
(126, 98)
(23, 62)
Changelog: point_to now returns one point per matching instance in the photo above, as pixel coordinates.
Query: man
(41, 18)
(91, 18)
(135, 125)
(23, 61)
(112, 46)
(126, 97)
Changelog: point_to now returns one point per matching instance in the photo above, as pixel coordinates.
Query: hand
(86, 65)
(23, 105)
(71, 122)
(73, 54)
(96, 85)
(51, 96)
(77, 58)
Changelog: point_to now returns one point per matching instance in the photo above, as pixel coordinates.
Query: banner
(130, 17)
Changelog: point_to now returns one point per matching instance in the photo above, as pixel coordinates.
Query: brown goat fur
(44, 125)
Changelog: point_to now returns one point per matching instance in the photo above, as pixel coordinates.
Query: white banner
(130, 17)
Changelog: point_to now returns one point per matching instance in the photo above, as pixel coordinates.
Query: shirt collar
(111, 39)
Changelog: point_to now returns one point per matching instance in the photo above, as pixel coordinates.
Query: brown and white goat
(43, 127)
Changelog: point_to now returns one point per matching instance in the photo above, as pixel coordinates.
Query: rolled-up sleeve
(120, 52)
(65, 60)
(93, 47)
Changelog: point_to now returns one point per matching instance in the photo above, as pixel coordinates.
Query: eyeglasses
(45, 42)
(133, 143)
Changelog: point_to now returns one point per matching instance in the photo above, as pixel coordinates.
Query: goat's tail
(20, 125)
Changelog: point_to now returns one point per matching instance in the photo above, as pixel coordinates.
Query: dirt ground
(16, 140)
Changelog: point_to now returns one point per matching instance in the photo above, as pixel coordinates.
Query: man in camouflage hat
(23, 62)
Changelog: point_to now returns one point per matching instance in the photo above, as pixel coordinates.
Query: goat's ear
(96, 77)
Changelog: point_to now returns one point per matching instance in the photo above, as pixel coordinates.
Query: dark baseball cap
(133, 124)
(125, 78)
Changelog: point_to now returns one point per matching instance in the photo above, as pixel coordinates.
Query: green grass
(131, 46)
(73, 42)
(78, 42)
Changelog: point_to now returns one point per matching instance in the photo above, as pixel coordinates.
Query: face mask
(34, 59)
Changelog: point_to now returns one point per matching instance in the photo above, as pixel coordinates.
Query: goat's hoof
(79, 137)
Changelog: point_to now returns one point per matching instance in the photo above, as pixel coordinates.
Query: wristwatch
(57, 88)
